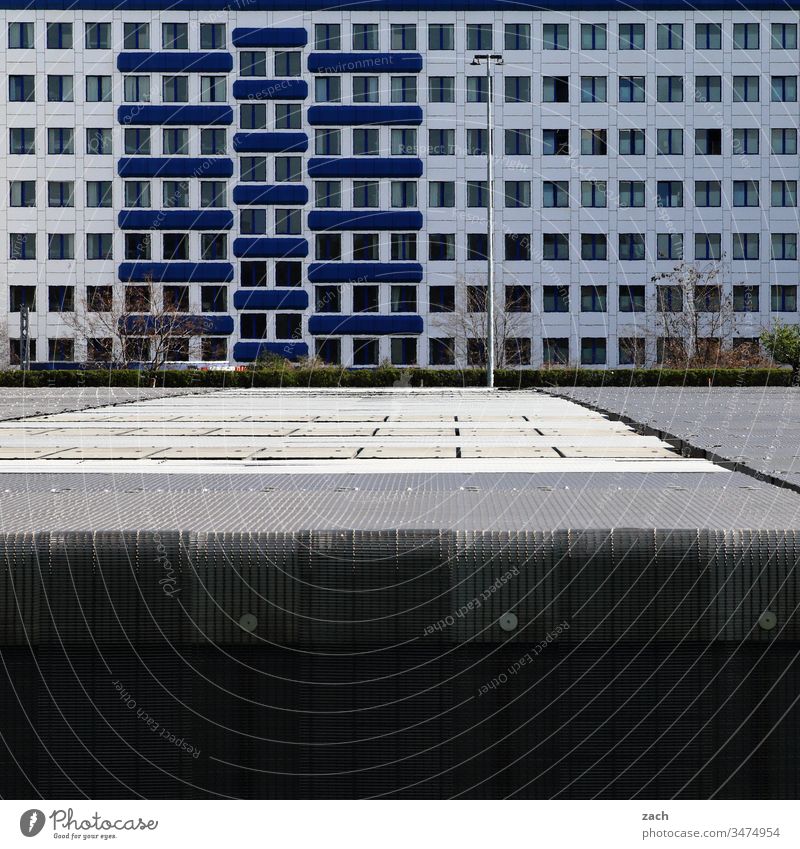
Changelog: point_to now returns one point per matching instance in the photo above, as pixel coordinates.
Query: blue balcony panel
(366, 166)
(256, 194)
(174, 166)
(270, 142)
(185, 325)
(285, 89)
(364, 220)
(175, 61)
(345, 116)
(365, 272)
(261, 247)
(269, 36)
(175, 219)
(367, 323)
(175, 115)
(247, 352)
(363, 63)
(175, 272)
(270, 299)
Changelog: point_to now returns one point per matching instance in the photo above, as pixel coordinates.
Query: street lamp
(491, 59)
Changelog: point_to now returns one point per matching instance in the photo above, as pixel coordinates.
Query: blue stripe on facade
(176, 272)
(365, 272)
(196, 324)
(367, 166)
(270, 299)
(174, 166)
(176, 115)
(368, 324)
(445, 6)
(174, 61)
(269, 36)
(362, 63)
(246, 352)
(341, 116)
(175, 219)
(262, 247)
(366, 220)
(259, 195)
(270, 142)
(287, 89)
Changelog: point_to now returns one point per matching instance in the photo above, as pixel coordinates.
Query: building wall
(295, 31)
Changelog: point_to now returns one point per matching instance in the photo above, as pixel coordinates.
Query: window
(555, 89)
(669, 142)
(98, 141)
(555, 37)
(403, 246)
(745, 299)
(136, 36)
(288, 326)
(707, 193)
(479, 36)
(176, 245)
(593, 351)
(442, 299)
(517, 194)
(631, 246)
(708, 142)
(403, 299)
(328, 298)
(403, 194)
(175, 36)
(253, 169)
(403, 37)
(403, 89)
(594, 298)
(594, 247)
(669, 193)
(518, 142)
(594, 37)
(708, 246)
(327, 194)
(745, 89)
(99, 350)
(477, 89)
(517, 247)
(327, 37)
(518, 298)
(212, 193)
(287, 222)
(403, 351)
(669, 36)
(366, 299)
(517, 37)
(23, 193)
(61, 140)
(669, 298)
(366, 194)
(253, 116)
(253, 221)
(631, 299)
(365, 246)
(288, 169)
(707, 89)
(174, 142)
(476, 299)
(137, 193)
(783, 246)
(745, 245)
(365, 37)
(365, 352)
(137, 140)
(22, 140)
(61, 246)
(441, 142)
(477, 142)
(669, 89)
(213, 246)
(593, 193)
(555, 352)
(21, 88)
(328, 142)
(477, 247)
(783, 298)
(555, 193)
(631, 89)
(555, 298)
(783, 89)
(98, 246)
(441, 351)
(138, 298)
(20, 296)
(253, 326)
(594, 142)
(631, 36)
(784, 193)
(784, 37)
(441, 89)
(784, 140)
(98, 36)
(477, 193)
(745, 193)
(138, 246)
(708, 36)
(441, 247)
(593, 90)
(288, 273)
(175, 194)
(329, 350)
(175, 89)
(136, 89)
(329, 246)
(98, 89)
(631, 193)
(98, 194)
(253, 63)
(61, 350)
(669, 246)
(518, 89)
(555, 246)
(287, 63)
(22, 246)
(253, 273)
(212, 37)
(366, 142)
(403, 142)
(20, 36)
(61, 194)
(59, 88)
(745, 36)
(212, 89)
(631, 351)
(59, 36)
(631, 142)
(441, 37)
(213, 142)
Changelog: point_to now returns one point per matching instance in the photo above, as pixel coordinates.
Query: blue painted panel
(364, 220)
(175, 115)
(270, 142)
(366, 166)
(341, 116)
(247, 352)
(270, 299)
(175, 61)
(194, 325)
(255, 194)
(176, 272)
(365, 272)
(174, 166)
(266, 246)
(367, 323)
(175, 219)
(269, 36)
(362, 63)
(286, 89)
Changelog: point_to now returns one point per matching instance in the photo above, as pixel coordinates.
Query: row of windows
(61, 88)
(98, 141)
(138, 246)
(97, 36)
(101, 349)
(136, 193)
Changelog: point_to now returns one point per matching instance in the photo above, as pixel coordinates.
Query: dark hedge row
(383, 377)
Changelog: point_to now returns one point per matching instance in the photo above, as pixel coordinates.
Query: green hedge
(387, 377)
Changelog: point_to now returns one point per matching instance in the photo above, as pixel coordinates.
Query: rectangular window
(594, 37)
(59, 36)
(20, 36)
(404, 142)
(783, 298)
(328, 142)
(479, 36)
(327, 37)
(61, 246)
(403, 89)
(745, 193)
(175, 194)
(593, 194)
(669, 36)
(253, 169)
(366, 299)
(477, 89)
(783, 246)
(631, 247)
(594, 247)
(555, 351)
(99, 246)
(366, 142)
(518, 298)
(518, 89)
(213, 246)
(441, 37)
(213, 90)
(517, 247)
(22, 140)
(631, 142)
(288, 222)
(555, 193)
(745, 245)
(594, 299)
(745, 299)
(136, 36)
(441, 142)
(477, 142)
(61, 193)
(136, 89)
(403, 194)
(61, 298)
(329, 247)
(213, 193)
(518, 142)
(669, 89)
(21, 88)
(555, 37)
(669, 246)
(403, 246)
(403, 299)
(593, 351)
(669, 298)
(783, 89)
(555, 89)
(707, 89)
(745, 36)
(631, 193)
(631, 299)
(441, 89)
(212, 37)
(784, 193)
(477, 247)
(61, 140)
(175, 89)
(441, 299)
(669, 142)
(784, 140)
(365, 246)
(287, 63)
(784, 37)
(517, 37)
(327, 194)
(288, 169)
(59, 88)
(175, 142)
(365, 37)
(477, 193)
(98, 141)
(23, 193)
(138, 246)
(253, 116)
(137, 193)
(555, 246)
(403, 37)
(137, 141)
(708, 36)
(98, 194)
(441, 194)
(555, 299)
(517, 194)
(253, 222)
(708, 142)
(593, 90)
(253, 63)
(175, 36)
(366, 194)
(441, 247)
(631, 89)
(594, 142)
(98, 36)
(707, 193)
(98, 89)
(708, 246)
(631, 36)
(669, 193)
(745, 89)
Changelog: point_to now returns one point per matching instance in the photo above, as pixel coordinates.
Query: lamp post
(490, 59)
